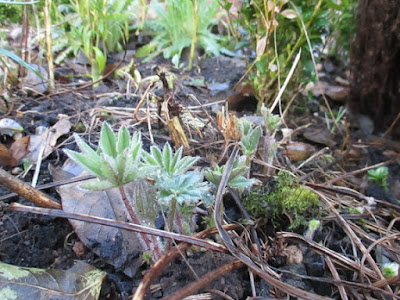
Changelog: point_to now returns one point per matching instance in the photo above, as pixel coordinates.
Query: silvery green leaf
(85, 148)
(99, 185)
(241, 182)
(212, 176)
(123, 140)
(244, 126)
(184, 164)
(176, 158)
(271, 121)
(108, 141)
(108, 168)
(134, 170)
(249, 142)
(135, 151)
(208, 199)
(165, 197)
(87, 163)
(136, 145)
(166, 158)
(155, 156)
(121, 165)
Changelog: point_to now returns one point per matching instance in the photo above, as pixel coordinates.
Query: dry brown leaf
(116, 246)
(5, 158)
(48, 139)
(228, 126)
(293, 254)
(319, 135)
(19, 149)
(335, 92)
(298, 151)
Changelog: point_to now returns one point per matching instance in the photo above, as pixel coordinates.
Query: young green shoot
(380, 176)
(336, 119)
(237, 178)
(271, 122)
(250, 137)
(390, 269)
(312, 228)
(116, 162)
(175, 183)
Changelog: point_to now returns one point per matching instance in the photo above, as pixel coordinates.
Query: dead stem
(118, 224)
(167, 258)
(25, 190)
(203, 281)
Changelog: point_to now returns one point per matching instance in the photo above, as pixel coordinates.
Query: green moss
(283, 198)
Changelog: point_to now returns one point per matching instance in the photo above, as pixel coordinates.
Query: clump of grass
(183, 24)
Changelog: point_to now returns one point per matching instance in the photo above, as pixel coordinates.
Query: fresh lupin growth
(237, 177)
(116, 162)
(176, 185)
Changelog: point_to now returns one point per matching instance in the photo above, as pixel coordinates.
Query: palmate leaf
(155, 157)
(167, 162)
(99, 185)
(241, 182)
(177, 157)
(187, 189)
(237, 177)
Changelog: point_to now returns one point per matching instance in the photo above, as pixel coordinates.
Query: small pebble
(16, 171)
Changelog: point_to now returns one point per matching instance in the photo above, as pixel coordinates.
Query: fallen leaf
(79, 249)
(298, 151)
(5, 157)
(261, 44)
(227, 125)
(335, 92)
(81, 281)
(116, 246)
(19, 149)
(34, 82)
(47, 139)
(319, 135)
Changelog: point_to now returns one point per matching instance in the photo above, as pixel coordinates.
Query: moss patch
(284, 198)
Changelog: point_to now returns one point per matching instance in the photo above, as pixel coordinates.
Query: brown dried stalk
(25, 190)
(118, 224)
(168, 258)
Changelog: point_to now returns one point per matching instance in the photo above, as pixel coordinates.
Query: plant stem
(171, 216)
(49, 51)
(194, 36)
(145, 238)
(178, 220)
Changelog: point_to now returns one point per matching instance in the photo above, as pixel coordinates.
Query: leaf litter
(359, 228)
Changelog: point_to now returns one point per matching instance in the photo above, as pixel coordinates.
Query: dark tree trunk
(375, 64)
